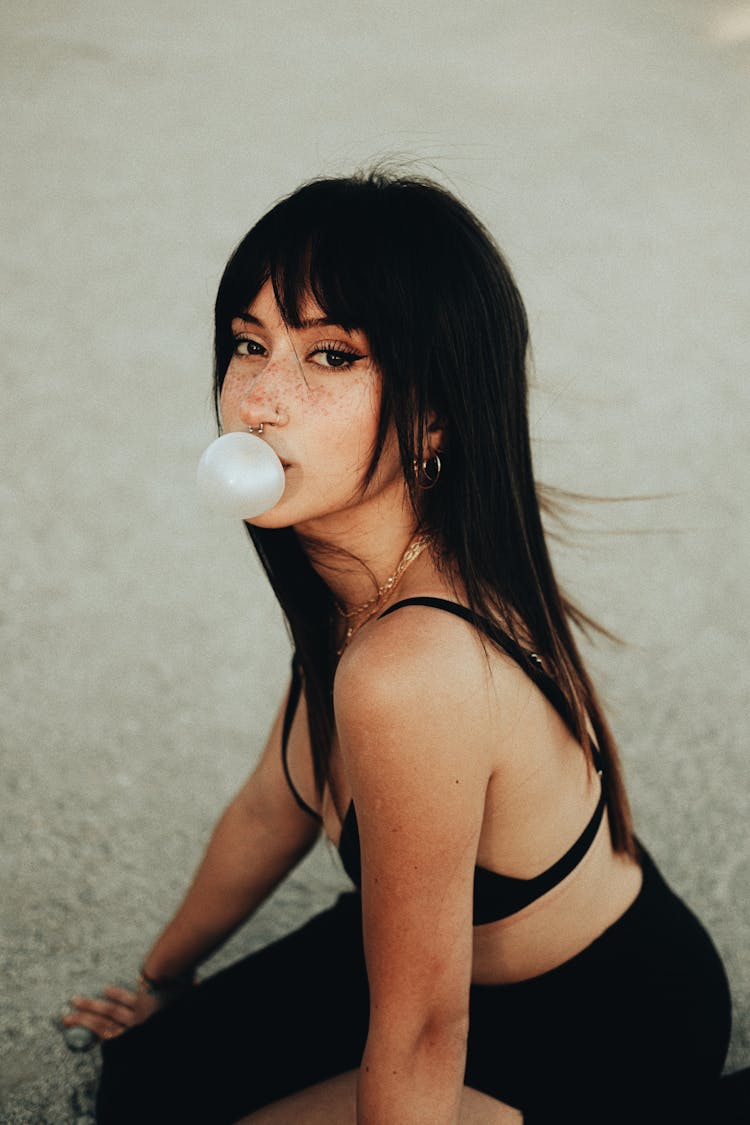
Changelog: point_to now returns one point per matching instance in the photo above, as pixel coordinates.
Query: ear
(436, 435)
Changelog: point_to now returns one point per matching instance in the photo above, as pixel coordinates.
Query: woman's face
(317, 392)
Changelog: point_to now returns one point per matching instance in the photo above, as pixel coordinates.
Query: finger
(109, 1009)
(111, 1031)
(122, 995)
(102, 1027)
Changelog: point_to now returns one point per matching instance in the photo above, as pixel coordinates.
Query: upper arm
(409, 718)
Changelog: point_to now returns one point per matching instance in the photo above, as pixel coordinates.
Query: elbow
(442, 1034)
(433, 1034)
(413, 1067)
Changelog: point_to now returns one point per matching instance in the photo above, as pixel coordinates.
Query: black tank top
(496, 896)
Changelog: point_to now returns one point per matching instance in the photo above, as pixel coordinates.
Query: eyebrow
(313, 322)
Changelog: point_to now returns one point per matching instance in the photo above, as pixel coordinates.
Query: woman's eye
(245, 346)
(336, 357)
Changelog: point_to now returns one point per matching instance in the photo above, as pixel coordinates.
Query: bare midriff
(561, 923)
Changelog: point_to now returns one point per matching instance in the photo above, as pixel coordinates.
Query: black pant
(633, 1029)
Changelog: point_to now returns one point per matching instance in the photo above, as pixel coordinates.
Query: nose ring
(259, 428)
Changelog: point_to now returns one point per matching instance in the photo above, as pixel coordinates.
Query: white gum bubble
(240, 475)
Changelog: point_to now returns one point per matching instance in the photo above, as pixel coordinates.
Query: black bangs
(353, 245)
(316, 253)
(309, 245)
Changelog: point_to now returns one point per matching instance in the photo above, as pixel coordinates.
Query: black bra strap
(529, 662)
(291, 707)
(491, 887)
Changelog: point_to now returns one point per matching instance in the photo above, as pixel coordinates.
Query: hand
(108, 1017)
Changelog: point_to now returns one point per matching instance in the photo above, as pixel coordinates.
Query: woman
(511, 949)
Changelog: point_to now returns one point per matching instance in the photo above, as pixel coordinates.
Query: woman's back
(543, 799)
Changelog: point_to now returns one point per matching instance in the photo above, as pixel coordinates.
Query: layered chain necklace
(368, 609)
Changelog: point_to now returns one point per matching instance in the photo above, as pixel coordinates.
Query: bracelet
(166, 988)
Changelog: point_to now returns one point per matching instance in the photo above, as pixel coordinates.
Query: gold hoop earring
(424, 477)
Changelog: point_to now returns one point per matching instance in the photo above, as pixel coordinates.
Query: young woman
(510, 951)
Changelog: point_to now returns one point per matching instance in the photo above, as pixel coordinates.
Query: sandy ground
(606, 144)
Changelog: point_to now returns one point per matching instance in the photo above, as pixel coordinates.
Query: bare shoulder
(419, 691)
(424, 661)
(416, 655)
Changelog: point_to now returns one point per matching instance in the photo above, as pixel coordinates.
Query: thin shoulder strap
(529, 662)
(291, 706)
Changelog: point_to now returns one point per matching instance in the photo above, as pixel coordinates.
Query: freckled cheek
(354, 404)
(348, 418)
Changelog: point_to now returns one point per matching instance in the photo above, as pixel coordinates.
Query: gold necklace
(372, 605)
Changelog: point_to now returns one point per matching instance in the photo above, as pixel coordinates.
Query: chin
(272, 520)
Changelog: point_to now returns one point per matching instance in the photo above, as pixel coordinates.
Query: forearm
(415, 1083)
(245, 860)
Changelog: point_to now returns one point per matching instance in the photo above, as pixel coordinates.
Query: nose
(260, 405)
(258, 423)
(256, 418)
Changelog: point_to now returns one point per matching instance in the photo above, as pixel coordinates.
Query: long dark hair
(405, 261)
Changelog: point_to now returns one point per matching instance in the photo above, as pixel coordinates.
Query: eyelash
(348, 355)
(331, 349)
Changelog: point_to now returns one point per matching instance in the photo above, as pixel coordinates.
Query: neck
(355, 550)
(355, 566)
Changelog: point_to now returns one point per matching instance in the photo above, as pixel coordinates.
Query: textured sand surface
(606, 145)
